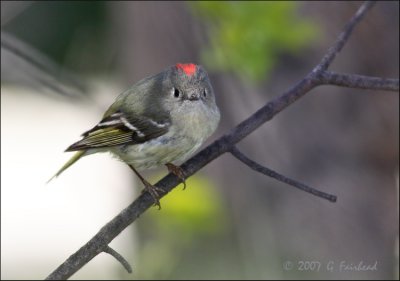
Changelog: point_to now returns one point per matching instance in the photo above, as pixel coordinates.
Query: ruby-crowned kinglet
(161, 120)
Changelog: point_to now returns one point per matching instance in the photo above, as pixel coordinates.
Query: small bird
(161, 120)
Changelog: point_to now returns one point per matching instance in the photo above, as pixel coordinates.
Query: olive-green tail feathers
(71, 161)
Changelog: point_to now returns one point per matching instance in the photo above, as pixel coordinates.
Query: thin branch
(264, 170)
(358, 81)
(343, 37)
(46, 71)
(118, 257)
(208, 154)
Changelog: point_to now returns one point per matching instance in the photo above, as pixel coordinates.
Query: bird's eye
(205, 93)
(176, 92)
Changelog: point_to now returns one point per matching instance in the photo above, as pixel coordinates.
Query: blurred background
(62, 65)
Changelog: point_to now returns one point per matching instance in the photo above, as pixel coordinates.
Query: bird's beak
(193, 96)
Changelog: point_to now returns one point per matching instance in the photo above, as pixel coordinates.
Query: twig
(118, 257)
(264, 170)
(343, 37)
(358, 81)
(208, 154)
(46, 72)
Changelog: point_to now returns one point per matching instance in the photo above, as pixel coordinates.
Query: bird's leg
(153, 190)
(177, 171)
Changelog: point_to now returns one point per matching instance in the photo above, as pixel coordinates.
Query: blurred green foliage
(196, 210)
(188, 223)
(247, 38)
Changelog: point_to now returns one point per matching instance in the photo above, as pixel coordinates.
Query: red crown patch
(188, 68)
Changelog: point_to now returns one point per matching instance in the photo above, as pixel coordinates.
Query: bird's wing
(119, 128)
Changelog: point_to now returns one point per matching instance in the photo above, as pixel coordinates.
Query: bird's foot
(177, 171)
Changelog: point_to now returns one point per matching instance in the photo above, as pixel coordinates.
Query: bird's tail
(71, 161)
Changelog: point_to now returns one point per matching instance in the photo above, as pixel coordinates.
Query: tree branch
(343, 37)
(358, 81)
(42, 69)
(224, 144)
(264, 170)
(118, 257)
